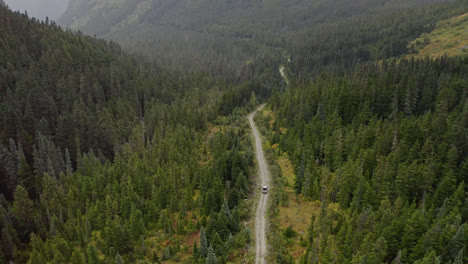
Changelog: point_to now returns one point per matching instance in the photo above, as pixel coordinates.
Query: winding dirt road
(260, 217)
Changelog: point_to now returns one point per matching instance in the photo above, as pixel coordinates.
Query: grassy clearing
(297, 214)
(449, 38)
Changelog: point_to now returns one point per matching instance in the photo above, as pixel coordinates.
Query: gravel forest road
(264, 179)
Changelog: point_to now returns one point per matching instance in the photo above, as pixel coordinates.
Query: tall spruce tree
(203, 243)
(211, 256)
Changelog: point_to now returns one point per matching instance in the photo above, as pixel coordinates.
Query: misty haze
(39, 8)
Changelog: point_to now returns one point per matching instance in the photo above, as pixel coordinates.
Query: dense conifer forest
(105, 155)
(383, 147)
(113, 157)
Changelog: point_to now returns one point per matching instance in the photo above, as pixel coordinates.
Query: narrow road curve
(260, 217)
(283, 74)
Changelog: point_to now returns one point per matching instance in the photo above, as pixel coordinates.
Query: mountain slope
(219, 35)
(449, 38)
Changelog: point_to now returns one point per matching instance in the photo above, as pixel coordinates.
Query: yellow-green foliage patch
(287, 169)
(297, 214)
(449, 38)
(156, 241)
(269, 113)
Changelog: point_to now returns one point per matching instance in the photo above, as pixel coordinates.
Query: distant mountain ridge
(104, 17)
(218, 35)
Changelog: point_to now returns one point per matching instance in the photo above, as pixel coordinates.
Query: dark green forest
(107, 156)
(387, 143)
(103, 153)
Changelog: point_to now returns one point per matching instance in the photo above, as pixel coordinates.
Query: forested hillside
(224, 37)
(106, 158)
(384, 149)
(109, 157)
(353, 40)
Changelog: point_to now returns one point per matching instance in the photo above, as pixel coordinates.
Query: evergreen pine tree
(92, 254)
(195, 251)
(68, 162)
(230, 242)
(118, 259)
(211, 256)
(203, 243)
(23, 209)
(226, 211)
(217, 244)
(398, 258)
(26, 175)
